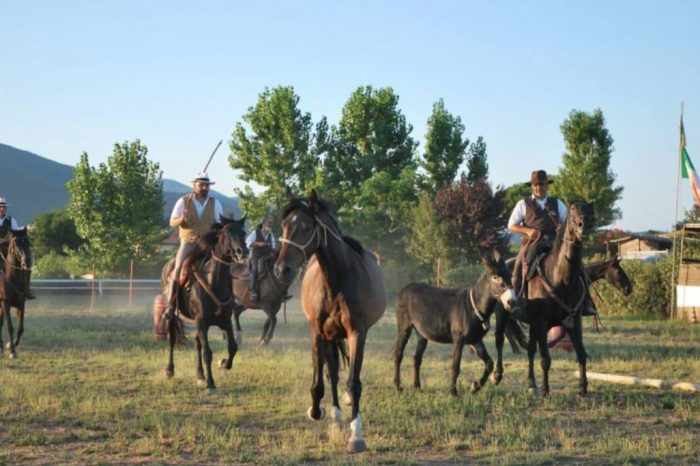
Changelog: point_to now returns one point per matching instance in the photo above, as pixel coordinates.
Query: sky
(80, 76)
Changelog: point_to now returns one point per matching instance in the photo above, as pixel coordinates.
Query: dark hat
(538, 176)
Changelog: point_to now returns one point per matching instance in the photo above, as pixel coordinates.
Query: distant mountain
(34, 185)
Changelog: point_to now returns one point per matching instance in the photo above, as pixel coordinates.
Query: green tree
(428, 239)
(477, 166)
(586, 173)
(118, 207)
(513, 194)
(372, 137)
(445, 147)
(273, 148)
(54, 232)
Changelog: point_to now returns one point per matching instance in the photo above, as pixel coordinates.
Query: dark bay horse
(272, 293)
(611, 270)
(14, 285)
(209, 298)
(342, 294)
(556, 295)
(457, 316)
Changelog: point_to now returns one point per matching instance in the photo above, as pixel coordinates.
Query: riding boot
(518, 311)
(254, 280)
(171, 299)
(28, 295)
(588, 307)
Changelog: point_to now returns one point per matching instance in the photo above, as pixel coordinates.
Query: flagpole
(672, 311)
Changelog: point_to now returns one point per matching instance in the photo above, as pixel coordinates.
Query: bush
(463, 276)
(52, 265)
(651, 288)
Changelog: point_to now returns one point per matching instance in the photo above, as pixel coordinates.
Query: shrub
(52, 265)
(651, 287)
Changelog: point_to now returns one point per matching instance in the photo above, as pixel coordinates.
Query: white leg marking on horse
(356, 429)
(347, 399)
(337, 416)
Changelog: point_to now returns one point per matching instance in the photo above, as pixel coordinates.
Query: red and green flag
(688, 169)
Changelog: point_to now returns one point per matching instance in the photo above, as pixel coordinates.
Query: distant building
(641, 246)
(171, 243)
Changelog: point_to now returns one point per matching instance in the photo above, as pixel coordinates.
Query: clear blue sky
(81, 75)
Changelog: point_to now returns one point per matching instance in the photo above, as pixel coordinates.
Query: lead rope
(484, 323)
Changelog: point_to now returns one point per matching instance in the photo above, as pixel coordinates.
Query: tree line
(410, 206)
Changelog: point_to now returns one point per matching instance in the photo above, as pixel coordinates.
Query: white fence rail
(100, 285)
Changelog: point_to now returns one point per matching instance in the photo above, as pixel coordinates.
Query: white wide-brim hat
(203, 177)
(3, 202)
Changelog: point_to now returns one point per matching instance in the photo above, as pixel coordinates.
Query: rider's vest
(5, 227)
(545, 220)
(196, 226)
(260, 238)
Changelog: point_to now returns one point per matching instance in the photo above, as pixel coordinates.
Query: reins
(316, 234)
(484, 323)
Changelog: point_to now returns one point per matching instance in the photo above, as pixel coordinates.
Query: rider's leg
(184, 250)
(254, 262)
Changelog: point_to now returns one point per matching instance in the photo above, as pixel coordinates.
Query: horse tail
(514, 332)
(177, 326)
(340, 347)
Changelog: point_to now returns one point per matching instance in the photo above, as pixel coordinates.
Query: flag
(687, 168)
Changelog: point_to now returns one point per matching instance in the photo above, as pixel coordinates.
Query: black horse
(557, 293)
(14, 285)
(611, 270)
(272, 294)
(457, 316)
(208, 300)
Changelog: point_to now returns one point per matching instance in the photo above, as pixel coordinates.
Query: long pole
(672, 311)
(205, 169)
(131, 281)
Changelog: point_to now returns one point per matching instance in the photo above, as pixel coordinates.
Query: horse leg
(232, 346)
(172, 339)
(545, 359)
(577, 341)
(402, 337)
(20, 324)
(271, 331)
(356, 342)
(316, 412)
(497, 375)
(333, 358)
(10, 330)
(457, 347)
(200, 367)
(238, 334)
(418, 358)
(531, 350)
(202, 330)
(488, 366)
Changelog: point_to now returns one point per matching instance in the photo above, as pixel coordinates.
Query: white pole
(672, 311)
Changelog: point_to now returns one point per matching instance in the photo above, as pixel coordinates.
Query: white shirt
(518, 215)
(251, 239)
(179, 208)
(13, 222)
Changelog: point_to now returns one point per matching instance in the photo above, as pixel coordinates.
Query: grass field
(89, 388)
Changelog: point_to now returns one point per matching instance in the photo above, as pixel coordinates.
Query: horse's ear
(225, 220)
(313, 199)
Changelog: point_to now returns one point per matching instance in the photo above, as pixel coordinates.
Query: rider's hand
(534, 235)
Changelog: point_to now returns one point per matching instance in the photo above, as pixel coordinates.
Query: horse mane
(355, 244)
(205, 243)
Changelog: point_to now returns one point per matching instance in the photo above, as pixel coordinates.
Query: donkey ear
(488, 261)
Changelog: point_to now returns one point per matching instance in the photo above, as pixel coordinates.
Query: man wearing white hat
(194, 214)
(8, 223)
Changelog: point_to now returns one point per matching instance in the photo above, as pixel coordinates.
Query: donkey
(457, 316)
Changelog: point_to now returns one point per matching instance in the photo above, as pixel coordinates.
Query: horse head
(499, 279)
(580, 220)
(232, 239)
(617, 276)
(306, 224)
(19, 251)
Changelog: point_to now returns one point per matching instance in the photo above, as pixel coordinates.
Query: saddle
(185, 278)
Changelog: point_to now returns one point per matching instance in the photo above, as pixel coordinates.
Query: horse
(209, 298)
(611, 270)
(457, 316)
(14, 285)
(557, 294)
(342, 294)
(272, 294)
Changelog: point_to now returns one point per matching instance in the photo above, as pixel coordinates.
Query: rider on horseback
(8, 223)
(537, 218)
(194, 214)
(260, 243)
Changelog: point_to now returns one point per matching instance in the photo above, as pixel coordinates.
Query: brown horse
(272, 294)
(209, 299)
(557, 294)
(611, 270)
(14, 285)
(342, 294)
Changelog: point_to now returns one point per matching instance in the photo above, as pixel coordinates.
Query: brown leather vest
(196, 226)
(547, 220)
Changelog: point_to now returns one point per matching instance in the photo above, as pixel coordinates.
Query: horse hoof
(356, 446)
(8, 346)
(533, 391)
(496, 378)
(13, 355)
(475, 387)
(211, 390)
(169, 373)
(321, 416)
(201, 382)
(222, 363)
(347, 399)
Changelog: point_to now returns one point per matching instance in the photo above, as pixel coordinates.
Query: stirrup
(589, 311)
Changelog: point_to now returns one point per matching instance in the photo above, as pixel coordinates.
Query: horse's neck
(567, 257)
(597, 270)
(334, 257)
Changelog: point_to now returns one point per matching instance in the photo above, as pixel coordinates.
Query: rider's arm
(178, 214)
(515, 222)
(13, 224)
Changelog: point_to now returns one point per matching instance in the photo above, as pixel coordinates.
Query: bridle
(220, 259)
(320, 233)
(7, 262)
